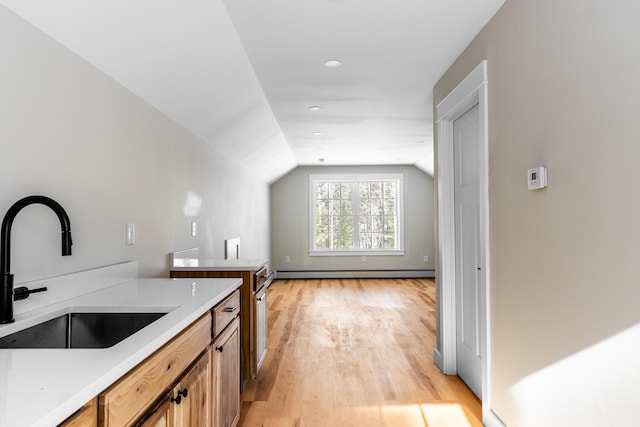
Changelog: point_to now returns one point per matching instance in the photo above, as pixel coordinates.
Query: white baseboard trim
(437, 359)
(490, 419)
(354, 274)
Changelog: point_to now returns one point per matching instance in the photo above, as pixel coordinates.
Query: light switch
(131, 234)
(193, 229)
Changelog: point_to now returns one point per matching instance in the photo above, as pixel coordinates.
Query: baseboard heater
(353, 274)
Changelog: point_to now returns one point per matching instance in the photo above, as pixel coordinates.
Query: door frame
(471, 91)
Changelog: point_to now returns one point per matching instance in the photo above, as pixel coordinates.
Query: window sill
(373, 252)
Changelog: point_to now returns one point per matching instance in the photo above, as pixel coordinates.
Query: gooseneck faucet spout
(6, 278)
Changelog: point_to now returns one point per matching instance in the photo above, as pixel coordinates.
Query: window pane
(346, 189)
(322, 190)
(376, 190)
(365, 240)
(377, 206)
(335, 207)
(363, 188)
(334, 190)
(322, 207)
(389, 189)
(389, 224)
(346, 207)
(365, 207)
(389, 206)
(377, 224)
(389, 241)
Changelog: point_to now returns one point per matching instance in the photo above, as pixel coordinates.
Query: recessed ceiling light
(315, 108)
(316, 133)
(332, 63)
(321, 160)
(419, 142)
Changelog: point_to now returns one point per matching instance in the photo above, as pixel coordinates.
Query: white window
(356, 214)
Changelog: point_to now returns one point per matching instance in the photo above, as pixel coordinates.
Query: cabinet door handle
(220, 349)
(230, 309)
(180, 395)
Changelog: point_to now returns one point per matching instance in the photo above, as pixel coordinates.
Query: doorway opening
(470, 92)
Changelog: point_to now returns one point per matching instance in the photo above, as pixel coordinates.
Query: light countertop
(42, 387)
(189, 260)
(196, 264)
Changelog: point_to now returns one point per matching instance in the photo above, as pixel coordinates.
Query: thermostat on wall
(537, 178)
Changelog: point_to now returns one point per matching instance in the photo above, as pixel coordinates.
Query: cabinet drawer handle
(220, 349)
(230, 309)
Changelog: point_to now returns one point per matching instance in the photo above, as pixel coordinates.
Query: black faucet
(6, 283)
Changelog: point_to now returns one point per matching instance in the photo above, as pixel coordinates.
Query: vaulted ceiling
(242, 74)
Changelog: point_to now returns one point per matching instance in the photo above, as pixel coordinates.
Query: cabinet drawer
(129, 398)
(225, 312)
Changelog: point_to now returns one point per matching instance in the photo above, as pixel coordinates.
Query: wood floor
(354, 352)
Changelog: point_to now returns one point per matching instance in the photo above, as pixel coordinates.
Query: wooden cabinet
(252, 280)
(87, 416)
(129, 398)
(193, 380)
(209, 393)
(226, 376)
(260, 309)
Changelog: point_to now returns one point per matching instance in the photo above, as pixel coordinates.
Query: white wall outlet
(426, 258)
(193, 229)
(364, 258)
(537, 178)
(131, 234)
(287, 258)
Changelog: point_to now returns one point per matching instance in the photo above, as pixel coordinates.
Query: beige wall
(69, 132)
(290, 222)
(564, 92)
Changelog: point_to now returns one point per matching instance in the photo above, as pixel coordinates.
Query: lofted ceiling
(242, 74)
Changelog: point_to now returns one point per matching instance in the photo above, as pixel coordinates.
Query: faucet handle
(22, 292)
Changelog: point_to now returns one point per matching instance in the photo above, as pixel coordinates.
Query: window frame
(357, 177)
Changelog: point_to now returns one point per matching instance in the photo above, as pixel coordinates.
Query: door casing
(471, 91)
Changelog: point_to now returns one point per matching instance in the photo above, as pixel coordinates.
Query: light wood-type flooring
(354, 352)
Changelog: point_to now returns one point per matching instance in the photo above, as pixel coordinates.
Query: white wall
(564, 91)
(71, 133)
(290, 222)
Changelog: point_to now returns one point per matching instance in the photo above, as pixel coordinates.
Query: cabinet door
(260, 328)
(191, 397)
(226, 377)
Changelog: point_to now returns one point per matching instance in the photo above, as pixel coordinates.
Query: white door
(466, 150)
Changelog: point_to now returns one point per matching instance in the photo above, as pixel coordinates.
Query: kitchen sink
(80, 330)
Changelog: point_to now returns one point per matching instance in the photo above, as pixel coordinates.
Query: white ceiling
(241, 74)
